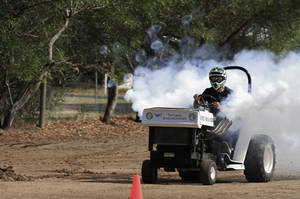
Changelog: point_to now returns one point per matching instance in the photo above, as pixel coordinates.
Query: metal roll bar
(244, 70)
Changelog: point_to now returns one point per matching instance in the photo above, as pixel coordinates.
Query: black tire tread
(254, 166)
(149, 173)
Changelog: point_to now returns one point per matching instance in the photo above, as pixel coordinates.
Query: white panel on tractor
(177, 117)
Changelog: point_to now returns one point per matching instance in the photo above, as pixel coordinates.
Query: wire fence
(82, 100)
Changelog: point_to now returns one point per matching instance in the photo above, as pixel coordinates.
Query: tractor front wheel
(208, 172)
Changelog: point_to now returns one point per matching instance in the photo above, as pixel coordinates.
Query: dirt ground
(89, 159)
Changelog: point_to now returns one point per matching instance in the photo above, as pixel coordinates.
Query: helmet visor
(217, 79)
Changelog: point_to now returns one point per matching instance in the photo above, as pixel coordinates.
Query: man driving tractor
(218, 90)
(215, 95)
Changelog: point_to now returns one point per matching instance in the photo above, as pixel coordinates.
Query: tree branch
(35, 27)
(130, 63)
(58, 34)
(104, 68)
(69, 14)
(74, 12)
(27, 7)
(31, 35)
(235, 32)
(9, 92)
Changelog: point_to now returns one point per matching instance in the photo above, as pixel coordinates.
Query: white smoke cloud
(272, 108)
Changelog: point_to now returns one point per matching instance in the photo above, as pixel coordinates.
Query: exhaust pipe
(221, 128)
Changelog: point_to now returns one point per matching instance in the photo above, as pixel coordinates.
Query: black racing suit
(230, 136)
(219, 96)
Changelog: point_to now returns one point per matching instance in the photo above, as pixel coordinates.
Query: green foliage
(27, 27)
(238, 24)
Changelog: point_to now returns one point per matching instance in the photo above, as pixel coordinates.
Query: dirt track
(89, 159)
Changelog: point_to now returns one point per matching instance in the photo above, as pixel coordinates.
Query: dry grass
(54, 116)
(91, 91)
(83, 100)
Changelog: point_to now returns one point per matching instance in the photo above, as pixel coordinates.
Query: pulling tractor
(188, 141)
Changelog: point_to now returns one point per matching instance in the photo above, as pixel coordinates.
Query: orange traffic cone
(136, 189)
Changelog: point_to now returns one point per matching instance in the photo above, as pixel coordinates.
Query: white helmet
(217, 77)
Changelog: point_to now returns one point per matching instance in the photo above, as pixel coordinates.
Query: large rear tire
(149, 173)
(208, 172)
(260, 159)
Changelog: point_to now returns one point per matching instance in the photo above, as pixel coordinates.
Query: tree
(27, 37)
(248, 24)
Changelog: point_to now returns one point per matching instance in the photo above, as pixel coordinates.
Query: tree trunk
(3, 104)
(43, 96)
(8, 119)
(18, 104)
(111, 101)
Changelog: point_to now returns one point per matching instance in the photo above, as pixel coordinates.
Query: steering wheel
(208, 99)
